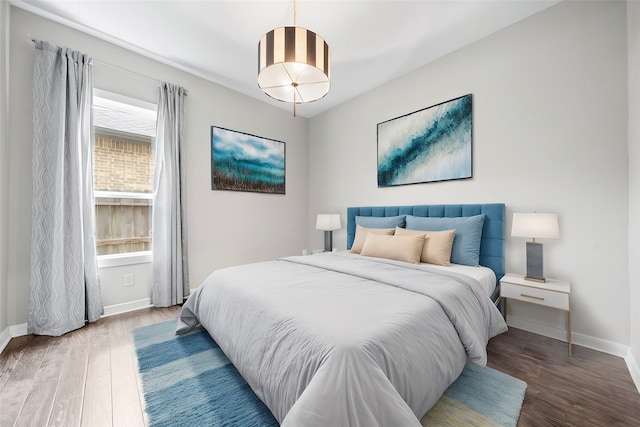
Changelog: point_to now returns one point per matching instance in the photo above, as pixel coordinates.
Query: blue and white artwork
(433, 144)
(243, 162)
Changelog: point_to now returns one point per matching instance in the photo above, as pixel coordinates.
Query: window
(124, 142)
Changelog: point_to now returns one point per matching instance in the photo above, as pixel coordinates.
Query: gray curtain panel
(64, 290)
(170, 270)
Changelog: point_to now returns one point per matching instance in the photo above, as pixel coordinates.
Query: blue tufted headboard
(493, 231)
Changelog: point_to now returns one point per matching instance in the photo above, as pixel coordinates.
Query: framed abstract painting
(428, 145)
(244, 162)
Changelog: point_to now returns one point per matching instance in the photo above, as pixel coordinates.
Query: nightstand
(553, 293)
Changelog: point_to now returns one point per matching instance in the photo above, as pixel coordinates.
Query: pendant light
(293, 64)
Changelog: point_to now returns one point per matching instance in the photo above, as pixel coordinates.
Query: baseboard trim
(634, 368)
(5, 337)
(12, 332)
(111, 310)
(126, 307)
(588, 341)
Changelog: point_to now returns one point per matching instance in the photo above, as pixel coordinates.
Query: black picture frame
(244, 162)
(429, 145)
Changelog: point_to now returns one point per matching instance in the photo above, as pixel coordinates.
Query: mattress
(484, 275)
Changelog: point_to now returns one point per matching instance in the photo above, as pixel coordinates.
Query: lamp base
(328, 240)
(534, 262)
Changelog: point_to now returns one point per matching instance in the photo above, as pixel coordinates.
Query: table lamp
(536, 226)
(328, 223)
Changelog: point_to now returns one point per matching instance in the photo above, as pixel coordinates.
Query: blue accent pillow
(466, 243)
(380, 221)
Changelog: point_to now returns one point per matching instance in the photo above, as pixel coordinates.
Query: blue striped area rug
(481, 397)
(187, 381)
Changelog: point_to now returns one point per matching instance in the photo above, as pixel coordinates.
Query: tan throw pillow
(361, 235)
(437, 246)
(400, 248)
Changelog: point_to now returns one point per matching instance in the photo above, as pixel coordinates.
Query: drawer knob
(531, 296)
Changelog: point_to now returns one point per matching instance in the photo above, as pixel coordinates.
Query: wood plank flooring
(84, 378)
(589, 389)
(87, 378)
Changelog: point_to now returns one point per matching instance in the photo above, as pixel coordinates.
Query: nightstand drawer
(539, 296)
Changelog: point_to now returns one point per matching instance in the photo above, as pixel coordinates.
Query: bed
(344, 339)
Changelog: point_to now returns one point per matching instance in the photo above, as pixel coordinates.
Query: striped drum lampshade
(293, 65)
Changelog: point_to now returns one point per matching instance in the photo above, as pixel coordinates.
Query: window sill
(117, 260)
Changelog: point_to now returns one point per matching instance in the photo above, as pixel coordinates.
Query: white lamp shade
(535, 225)
(328, 222)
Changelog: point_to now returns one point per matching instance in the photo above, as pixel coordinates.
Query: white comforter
(344, 340)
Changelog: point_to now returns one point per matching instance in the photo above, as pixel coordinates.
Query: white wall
(4, 159)
(633, 31)
(114, 293)
(224, 228)
(549, 135)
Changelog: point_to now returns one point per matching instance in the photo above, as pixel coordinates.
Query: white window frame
(126, 258)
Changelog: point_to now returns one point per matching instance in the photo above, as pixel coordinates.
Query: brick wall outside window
(122, 164)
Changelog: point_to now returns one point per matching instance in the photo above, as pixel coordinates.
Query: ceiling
(371, 41)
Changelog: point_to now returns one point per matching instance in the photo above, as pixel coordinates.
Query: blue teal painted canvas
(244, 162)
(433, 144)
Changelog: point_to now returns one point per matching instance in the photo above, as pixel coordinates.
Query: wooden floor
(88, 378)
(84, 378)
(589, 389)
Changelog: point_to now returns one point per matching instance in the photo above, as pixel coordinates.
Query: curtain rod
(116, 67)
